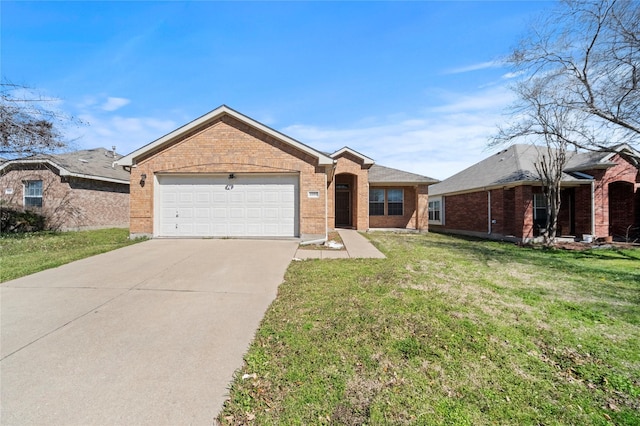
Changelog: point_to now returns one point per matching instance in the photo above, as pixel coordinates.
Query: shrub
(15, 220)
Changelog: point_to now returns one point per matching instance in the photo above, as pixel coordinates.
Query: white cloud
(437, 142)
(510, 75)
(113, 103)
(474, 67)
(125, 133)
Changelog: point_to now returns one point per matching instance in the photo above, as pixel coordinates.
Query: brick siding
(225, 146)
(415, 210)
(349, 169)
(70, 203)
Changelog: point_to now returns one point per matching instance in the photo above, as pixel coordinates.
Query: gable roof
(381, 175)
(602, 159)
(510, 167)
(130, 159)
(96, 164)
(346, 150)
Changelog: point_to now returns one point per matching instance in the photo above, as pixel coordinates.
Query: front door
(343, 208)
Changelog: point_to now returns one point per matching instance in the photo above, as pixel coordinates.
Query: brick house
(76, 190)
(227, 175)
(501, 196)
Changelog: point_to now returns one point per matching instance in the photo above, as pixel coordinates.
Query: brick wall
(623, 171)
(408, 219)
(224, 146)
(467, 212)
(70, 203)
(352, 166)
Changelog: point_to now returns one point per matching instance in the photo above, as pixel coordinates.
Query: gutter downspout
(489, 212)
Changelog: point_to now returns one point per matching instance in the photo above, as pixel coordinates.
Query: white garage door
(216, 206)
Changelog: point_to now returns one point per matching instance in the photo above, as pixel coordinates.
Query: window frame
(374, 212)
(29, 193)
(435, 211)
(539, 203)
(395, 203)
(385, 203)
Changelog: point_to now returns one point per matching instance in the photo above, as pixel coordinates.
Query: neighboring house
(76, 190)
(501, 196)
(227, 175)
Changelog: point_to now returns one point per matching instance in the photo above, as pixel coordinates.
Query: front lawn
(448, 331)
(24, 254)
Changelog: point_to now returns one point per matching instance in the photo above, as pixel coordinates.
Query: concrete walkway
(357, 247)
(149, 334)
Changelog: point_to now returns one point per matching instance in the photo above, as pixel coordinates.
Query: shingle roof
(91, 163)
(381, 175)
(510, 166)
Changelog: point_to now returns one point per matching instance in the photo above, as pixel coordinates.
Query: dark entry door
(343, 208)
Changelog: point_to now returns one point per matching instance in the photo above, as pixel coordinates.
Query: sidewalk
(357, 247)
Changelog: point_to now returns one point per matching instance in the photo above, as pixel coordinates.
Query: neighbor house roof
(96, 164)
(602, 159)
(380, 175)
(510, 167)
(130, 159)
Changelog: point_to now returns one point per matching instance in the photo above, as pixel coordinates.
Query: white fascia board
(93, 177)
(129, 160)
(365, 159)
(32, 161)
(62, 170)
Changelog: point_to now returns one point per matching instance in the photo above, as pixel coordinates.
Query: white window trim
(536, 206)
(25, 196)
(441, 201)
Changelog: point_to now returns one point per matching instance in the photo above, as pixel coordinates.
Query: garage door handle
(176, 213)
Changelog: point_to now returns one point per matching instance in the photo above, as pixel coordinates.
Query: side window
(33, 193)
(434, 210)
(395, 199)
(539, 209)
(376, 202)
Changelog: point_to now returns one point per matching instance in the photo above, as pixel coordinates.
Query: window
(434, 211)
(376, 202)
(539, 209)
(394, 202)
(33, 193)
(393, 198)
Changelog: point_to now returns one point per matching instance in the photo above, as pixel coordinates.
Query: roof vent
(82, 160)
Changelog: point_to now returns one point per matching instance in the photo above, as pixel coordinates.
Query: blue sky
(413, 85)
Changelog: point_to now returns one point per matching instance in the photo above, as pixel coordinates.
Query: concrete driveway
(147, 334)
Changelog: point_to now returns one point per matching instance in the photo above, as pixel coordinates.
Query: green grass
(24, 254)
(448, 331)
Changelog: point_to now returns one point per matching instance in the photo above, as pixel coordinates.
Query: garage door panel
(203, 213)
(185, 197)
(219, 213)
(219, 197)
(210, 206)
(254, 197)
(203, 197)
(254, 213)
(236, 213)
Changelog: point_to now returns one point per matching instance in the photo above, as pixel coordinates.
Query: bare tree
(29, 122)
(550, 127)
(580, 88)
(588, 54)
